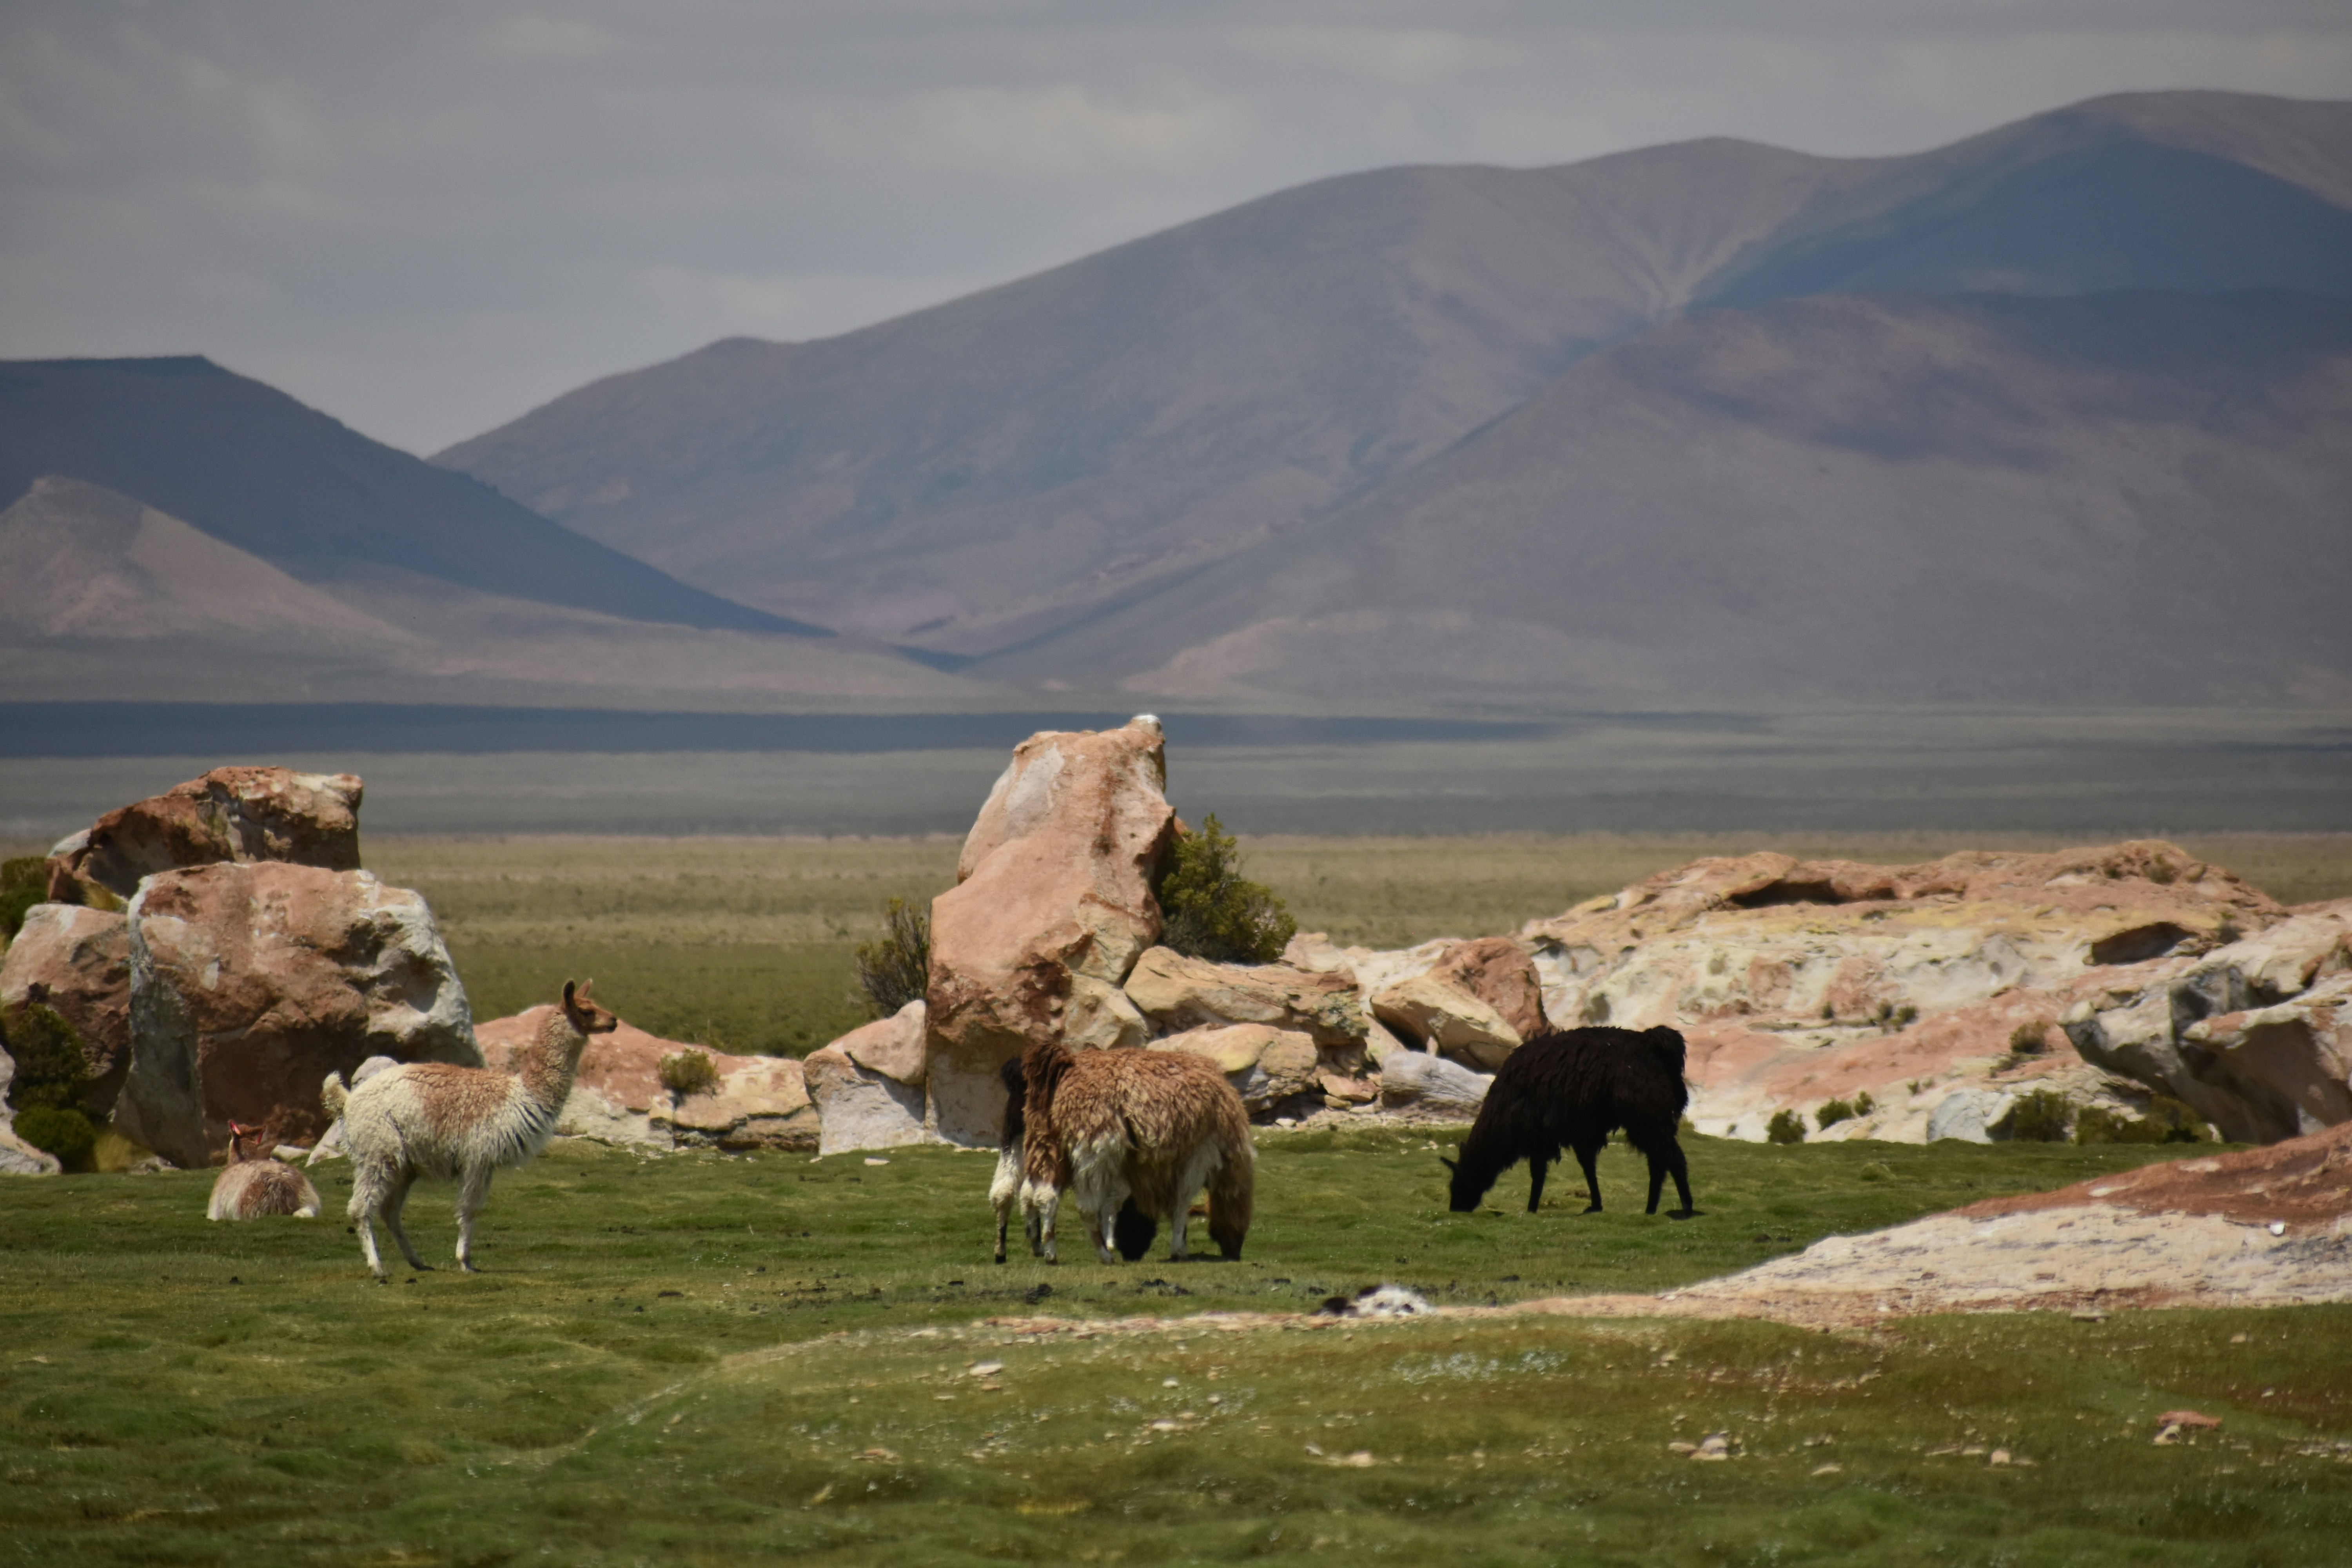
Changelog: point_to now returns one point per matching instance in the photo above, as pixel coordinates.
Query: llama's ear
(587, 993)
(567, 1000)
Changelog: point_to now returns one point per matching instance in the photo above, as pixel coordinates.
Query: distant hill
(254, 470)
(1079, 474)
(2121, 499)
(103, 599)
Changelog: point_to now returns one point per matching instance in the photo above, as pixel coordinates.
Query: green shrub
(1863, 1104)
(1833, 1111)
(1211, 910)
(23, 884)
(52, 1068)
(689, 1072)
(2029, 1039)
(1877, 1171)
(2040, 1117)
(67, 1133)
(895, 968)
(1785, 1127)
(2168, 1122)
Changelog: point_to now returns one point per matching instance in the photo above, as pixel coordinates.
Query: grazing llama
(432, 1119)
(256, 1182)
(1133, 1230)
(1576, 1088)
(1152, 1127)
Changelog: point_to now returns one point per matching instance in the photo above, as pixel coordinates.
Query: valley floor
(703, 1359)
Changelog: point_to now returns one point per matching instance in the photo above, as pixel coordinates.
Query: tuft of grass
(685, 1073)
(895, 968)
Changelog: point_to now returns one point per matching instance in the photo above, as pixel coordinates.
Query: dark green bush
(1786, 1127)
(2168, 1122)
(2029, 1039)
(684, 1073)
(895, 968)
(2040, 1117)
(1832, 1113)
(66, 1133)
(52, 1069)
(23, 884)
(1211, 910)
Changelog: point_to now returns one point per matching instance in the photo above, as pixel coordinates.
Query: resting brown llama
(256, 1182)
(432, 1119)
(1134, 1229)
(1575, 1088)
(1150, 1127)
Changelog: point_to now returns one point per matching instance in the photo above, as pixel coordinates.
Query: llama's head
(238, 1135)
(1467, 1182)
(581, 1010)
(1667, 1045)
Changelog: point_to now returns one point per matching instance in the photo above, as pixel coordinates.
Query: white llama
(432, 1119)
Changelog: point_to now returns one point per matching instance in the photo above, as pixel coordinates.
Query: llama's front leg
(395, 1200)
(367, 1191)
(473, 1191)
(1542, 1167)
(1042, 1216)
(1588, 1156)
(1099, 1225)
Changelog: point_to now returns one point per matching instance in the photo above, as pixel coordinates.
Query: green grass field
(711, 1360)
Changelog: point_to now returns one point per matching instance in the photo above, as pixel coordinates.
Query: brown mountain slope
(104, 598)
(2124, 499)
(1007, 468)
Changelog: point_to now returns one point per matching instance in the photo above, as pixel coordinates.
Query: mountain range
(2054, 414)
(1699, 422)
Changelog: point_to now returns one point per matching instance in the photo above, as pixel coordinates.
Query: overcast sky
(426, 218)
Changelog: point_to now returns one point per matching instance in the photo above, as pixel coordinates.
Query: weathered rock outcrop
(1272, 1069)
(2255, 1036)
(1444, 1017)
(868, 1084)
(250, 981)
(1178, 992)
(618, 1097)
(1416, 1084)
(1501, 974)
(230, 815)
(1052, 908)
(77, 961)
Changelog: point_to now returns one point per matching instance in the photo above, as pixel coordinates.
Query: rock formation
(234, 814)
(77, 961)
(1275, 1070)
(1441, 1016)
(618, 1098)
(1052, 908)
(250, 981)
(868, 1084)
(1178, 992)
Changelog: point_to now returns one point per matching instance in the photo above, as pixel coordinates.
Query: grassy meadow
(707, 1359)
(745, 944)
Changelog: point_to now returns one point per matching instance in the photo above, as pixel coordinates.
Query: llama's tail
(333, 1095)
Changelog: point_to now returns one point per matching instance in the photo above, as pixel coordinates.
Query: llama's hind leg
(396, 1198)
(1539, 1164)
(473, 1192)
(368, 1186)
(1588, 1155)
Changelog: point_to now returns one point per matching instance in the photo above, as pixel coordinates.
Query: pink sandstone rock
(234, 814)
(1270, 1068)
(1052, 908)
(618, 1098)
(1444, 1017)
(249, 983)
(1501, 974)
(77, 961)
(1180, 993)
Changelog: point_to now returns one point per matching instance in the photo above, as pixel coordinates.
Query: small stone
(871, 1161)
(1685, 1449)
(1997, 1457)
(986, 1368)
(1828, 1470)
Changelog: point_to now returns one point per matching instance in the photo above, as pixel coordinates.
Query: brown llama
(256, 1182)
(1152, 1127)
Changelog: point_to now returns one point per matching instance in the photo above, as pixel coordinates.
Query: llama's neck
(545, 1067)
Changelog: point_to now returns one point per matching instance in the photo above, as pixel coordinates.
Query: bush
(1877, 1171)
(2168, 1122)
(1863, 1104)
(2029, 1039)
(52, 1069)
(1833, 1111)
(1211, 910)
(895, 968)
(2041, 1117)
(689, 1072)
(66, 1133)
(1784, 1128)
(23, 884)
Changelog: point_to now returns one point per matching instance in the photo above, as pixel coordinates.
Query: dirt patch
(2305, 1183)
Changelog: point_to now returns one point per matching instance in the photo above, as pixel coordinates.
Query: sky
(427, 218)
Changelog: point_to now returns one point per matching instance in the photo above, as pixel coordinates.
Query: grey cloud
(426, 218)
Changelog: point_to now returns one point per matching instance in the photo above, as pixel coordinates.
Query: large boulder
(1444, 1017)
(230, 815)
(77, 961)
(1501, 974)
(2255, 1036)
(251, 981)
(1052, 908)
(1180, 993)
(1270, 1068)
(868, 1084)
(1781, 944)
(618, 1097)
